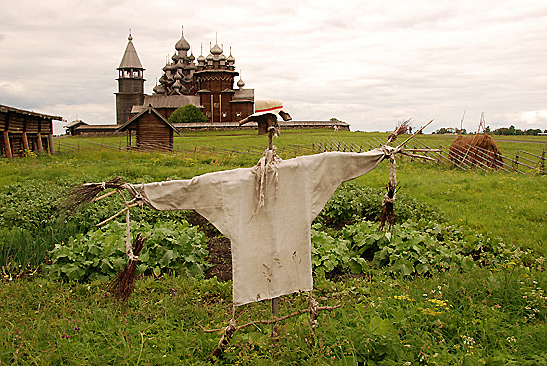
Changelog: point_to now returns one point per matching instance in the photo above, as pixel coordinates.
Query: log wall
(153, 133)
(24, 131)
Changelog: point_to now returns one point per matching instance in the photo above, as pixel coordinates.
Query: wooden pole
(270, 139)
(51, 146)
(7, 145)
(275, 313)
(543, 160)
(39, 142)
(25, 142)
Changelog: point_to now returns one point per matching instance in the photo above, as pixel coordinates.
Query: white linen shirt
(271, 251)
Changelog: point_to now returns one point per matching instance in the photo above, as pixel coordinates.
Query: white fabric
(271, 250)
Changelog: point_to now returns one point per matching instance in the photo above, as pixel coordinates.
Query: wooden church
(206, 82)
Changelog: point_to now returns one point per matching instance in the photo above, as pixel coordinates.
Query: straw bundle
(86, 193)
(477, 150)
(123, 284)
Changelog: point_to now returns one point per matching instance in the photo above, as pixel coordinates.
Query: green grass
(482, 317)
(492, 316)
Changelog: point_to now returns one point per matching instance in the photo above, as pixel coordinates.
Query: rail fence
(463, 157)
(62, 145)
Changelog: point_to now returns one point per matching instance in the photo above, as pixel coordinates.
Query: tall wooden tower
(130, 83)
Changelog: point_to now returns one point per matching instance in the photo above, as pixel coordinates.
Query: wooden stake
(39, 141)
(7, 145)
(415, 133)
(275, 313)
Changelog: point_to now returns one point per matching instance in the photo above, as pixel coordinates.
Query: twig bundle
(123, 285)
(85, 193)
(401, 128)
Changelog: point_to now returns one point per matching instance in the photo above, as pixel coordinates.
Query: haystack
(478, 150)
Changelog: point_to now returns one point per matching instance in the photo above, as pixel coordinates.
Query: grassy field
(513, 206)
(494, 315)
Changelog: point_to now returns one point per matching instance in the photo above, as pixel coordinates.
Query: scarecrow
(266, 211)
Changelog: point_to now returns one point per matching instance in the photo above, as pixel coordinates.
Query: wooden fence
(523, 162)
(64, 145)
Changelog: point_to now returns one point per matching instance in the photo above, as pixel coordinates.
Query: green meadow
(460, 280)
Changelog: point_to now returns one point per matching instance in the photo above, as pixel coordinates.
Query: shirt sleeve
(332, 168)
(201, 192)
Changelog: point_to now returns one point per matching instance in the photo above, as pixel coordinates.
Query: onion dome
(210, 57)
(175, 58)
(163, 79)
(180, 65)
(222, 57)
(201, 58)
(216, 50)
(182, 45)
(191, 57)
(177, 84)
(240, 83)
(231, 58)
(159, 89)
(192, 66)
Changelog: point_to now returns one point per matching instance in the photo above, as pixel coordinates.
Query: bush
(353, 203)
(187, 114)
(169, 246)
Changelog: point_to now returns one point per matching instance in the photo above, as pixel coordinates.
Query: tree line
(498, 131)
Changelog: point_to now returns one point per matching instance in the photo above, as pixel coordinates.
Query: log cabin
(25, 131)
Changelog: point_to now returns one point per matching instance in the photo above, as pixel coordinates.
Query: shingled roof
(130, 58)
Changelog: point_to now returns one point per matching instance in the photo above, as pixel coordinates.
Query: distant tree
(532, 131)
(186, 114)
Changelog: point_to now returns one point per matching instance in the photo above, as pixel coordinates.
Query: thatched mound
(476, 150)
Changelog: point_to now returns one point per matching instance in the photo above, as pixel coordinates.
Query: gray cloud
(369, 63)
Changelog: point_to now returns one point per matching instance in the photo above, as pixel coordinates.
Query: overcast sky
(370, 63)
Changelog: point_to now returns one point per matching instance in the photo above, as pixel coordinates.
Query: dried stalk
(123, 285)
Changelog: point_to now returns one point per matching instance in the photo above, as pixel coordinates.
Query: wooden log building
(208, 84)
(152, 131)
(24, 131)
